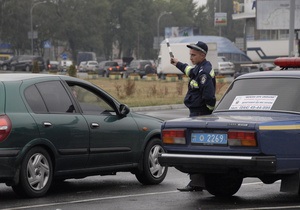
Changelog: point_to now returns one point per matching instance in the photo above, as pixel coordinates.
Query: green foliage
(93, 25)
(35, 68)
(72, 71)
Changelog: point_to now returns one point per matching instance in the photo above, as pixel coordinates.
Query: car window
(275, 89)
(55, 97)
(133, 64)
(93, 63)
(111, 64)
(34, 100)
(90, 103)
(144, 63)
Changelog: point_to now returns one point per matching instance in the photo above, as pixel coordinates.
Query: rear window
(111, 64)
(48, 97)
(93, 63)
(144, 63)
(281, 94)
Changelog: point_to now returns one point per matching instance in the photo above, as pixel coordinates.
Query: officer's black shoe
(190, 188)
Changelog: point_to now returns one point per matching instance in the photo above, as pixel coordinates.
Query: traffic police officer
(200, 98)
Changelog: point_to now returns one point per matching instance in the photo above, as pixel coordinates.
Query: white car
(64, 65)
(82, 66)
(225, 67)
(91, 66)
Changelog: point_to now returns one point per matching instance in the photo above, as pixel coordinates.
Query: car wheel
(152, 172)
(4, 67)
(223, 185)
(27, 68)
(148, 69)
(106, 74)
(35, 174)
(126, 75)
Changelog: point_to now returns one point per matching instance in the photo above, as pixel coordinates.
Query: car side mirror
(124, 109)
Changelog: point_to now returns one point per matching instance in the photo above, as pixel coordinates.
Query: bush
(72, 71)
(35, 68)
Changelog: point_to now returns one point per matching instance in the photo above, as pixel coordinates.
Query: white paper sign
(253, 102)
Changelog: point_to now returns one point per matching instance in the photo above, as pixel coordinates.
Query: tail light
(5, 127)
(125, 68)
(118, 67)
(110, 68)
(173, 136)
(242, 138)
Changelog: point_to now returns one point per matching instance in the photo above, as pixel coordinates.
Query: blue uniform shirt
(200, 97)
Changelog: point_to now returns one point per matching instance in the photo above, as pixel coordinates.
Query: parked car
(64, 65)
(246, 68)
(26, 63)
(5, 63)
(53, 65)
(91, 66)
(253, 132)
(81, 67)
(225, 67)
(56, 127)
(4, 58)
(107, 67)
(266, 66)
(141, 67)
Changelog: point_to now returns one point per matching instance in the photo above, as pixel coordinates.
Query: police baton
(169, 48)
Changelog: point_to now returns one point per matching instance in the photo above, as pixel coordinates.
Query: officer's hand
(174, 61)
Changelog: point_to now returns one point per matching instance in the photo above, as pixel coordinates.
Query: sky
(200, 2)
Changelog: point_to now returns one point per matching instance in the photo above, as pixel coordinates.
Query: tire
(152, 172)
(36, 174)
(223, 185)
(148, 69)
(27, 68)
(4, 67)
(106, 75)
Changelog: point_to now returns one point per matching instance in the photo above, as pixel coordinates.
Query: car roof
(261, 74)
(20, 77)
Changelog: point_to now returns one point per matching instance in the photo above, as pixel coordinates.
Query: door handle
(47, 124)
(94, 125)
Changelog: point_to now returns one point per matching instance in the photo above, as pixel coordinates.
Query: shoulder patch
(203, 79)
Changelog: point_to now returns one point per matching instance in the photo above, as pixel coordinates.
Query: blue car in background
(253, 132)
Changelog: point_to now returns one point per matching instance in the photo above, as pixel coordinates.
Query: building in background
(266, 28)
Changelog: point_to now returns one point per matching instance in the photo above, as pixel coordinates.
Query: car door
(59, 123)
(114, 140)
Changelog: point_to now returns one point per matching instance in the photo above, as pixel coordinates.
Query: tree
(15, 24)
(98, 26)
(79, 23)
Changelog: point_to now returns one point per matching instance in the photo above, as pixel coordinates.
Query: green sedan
(55, 127)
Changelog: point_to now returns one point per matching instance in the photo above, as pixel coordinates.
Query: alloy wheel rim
(38, 171)
(155, 168)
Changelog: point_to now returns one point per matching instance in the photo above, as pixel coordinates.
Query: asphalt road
(123, 191)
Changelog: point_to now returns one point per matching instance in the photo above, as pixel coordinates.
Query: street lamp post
(158, 20)
(31, 24)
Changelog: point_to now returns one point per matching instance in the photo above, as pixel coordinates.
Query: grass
(138, 93)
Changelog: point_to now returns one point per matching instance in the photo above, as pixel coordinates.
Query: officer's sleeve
(184, 68)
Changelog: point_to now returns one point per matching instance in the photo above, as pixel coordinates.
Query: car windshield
(262, 94)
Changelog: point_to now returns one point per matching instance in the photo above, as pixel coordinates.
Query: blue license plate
(209, 138)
